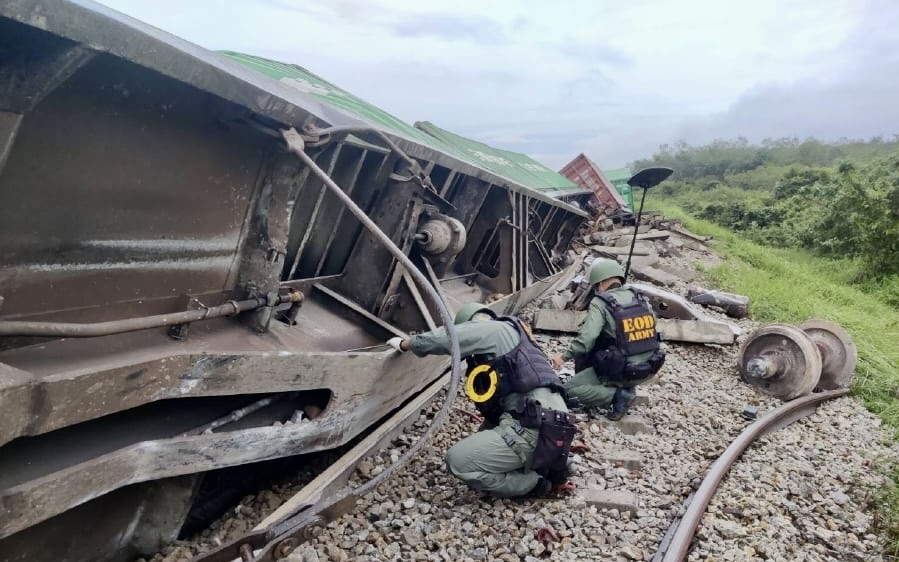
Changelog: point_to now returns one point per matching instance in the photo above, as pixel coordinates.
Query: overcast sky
(614, 79)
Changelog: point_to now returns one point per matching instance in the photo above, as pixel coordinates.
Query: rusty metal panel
(619, 177)
(104, 30)
(289, 98)
(366, 387)
(121, 186)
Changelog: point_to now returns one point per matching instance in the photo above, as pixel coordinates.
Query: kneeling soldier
(617, 346)
(523, 449)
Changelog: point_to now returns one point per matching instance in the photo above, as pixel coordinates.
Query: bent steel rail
(677, 540)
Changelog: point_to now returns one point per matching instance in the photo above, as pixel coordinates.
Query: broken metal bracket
(260, 319)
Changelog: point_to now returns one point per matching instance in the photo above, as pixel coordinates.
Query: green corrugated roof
(619, 177)
(515, 167)
(618, 174)
(305, 81)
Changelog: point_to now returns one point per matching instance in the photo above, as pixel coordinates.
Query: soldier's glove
(396, 343)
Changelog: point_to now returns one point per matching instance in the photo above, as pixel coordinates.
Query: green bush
(840, 201)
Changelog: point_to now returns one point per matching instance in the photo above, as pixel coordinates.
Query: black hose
(295, 145)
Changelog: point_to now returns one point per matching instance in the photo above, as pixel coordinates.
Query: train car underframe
(175, 281)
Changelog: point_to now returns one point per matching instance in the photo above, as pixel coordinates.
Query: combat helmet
(469, 310)
(604, 268)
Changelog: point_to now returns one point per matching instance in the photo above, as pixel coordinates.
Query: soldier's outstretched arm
(474, 338)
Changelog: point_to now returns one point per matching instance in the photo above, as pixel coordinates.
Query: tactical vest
(490, 379)
(635, 334)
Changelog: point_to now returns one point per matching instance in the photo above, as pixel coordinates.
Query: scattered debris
(697, 331)
(658, 243)
(686, 233)
(654, 276)
(654, 235)
(559, 320)
(631, 478)
(615, 251)
(735, 306)
(644, 261)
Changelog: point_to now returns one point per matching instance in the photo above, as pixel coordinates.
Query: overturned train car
(165, 262)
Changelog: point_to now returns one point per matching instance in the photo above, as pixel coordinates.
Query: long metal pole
(630, 253)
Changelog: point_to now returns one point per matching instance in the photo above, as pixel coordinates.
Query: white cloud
(610, 78)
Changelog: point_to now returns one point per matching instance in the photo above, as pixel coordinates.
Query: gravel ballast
(802, 493)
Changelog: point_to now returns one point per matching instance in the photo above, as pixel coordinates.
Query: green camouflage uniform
(494, 460)
(587, 385)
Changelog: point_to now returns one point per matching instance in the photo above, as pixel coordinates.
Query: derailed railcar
(173, 280)
(584, 171)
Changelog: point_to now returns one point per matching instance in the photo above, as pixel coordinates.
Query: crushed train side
(143, 177)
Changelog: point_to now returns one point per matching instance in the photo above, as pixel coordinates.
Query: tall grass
(791, 286)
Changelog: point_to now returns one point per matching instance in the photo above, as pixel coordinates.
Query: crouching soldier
(617, 346)
(522, 449)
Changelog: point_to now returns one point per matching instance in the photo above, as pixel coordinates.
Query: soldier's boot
(621, 402)
(573, 404)
(541, 489)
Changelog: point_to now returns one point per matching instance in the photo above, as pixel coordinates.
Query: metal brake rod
(95, 329)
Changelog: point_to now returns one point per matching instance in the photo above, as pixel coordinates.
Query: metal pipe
(463, 276)
(349, 191)
(627, 268)
(419, 302)
(361, 310)
(514, 276)
(489, 242)
(237, 414)
(680, 542)
(295, 145)
(84, 330)
(435, 281)
(298, 255)
(417, 172)
(522, 241)
(347, 129)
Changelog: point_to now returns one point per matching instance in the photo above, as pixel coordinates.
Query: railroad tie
(628, 425)
(620, 500)
(623, 458)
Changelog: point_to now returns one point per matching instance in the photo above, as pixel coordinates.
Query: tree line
(835, 199)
